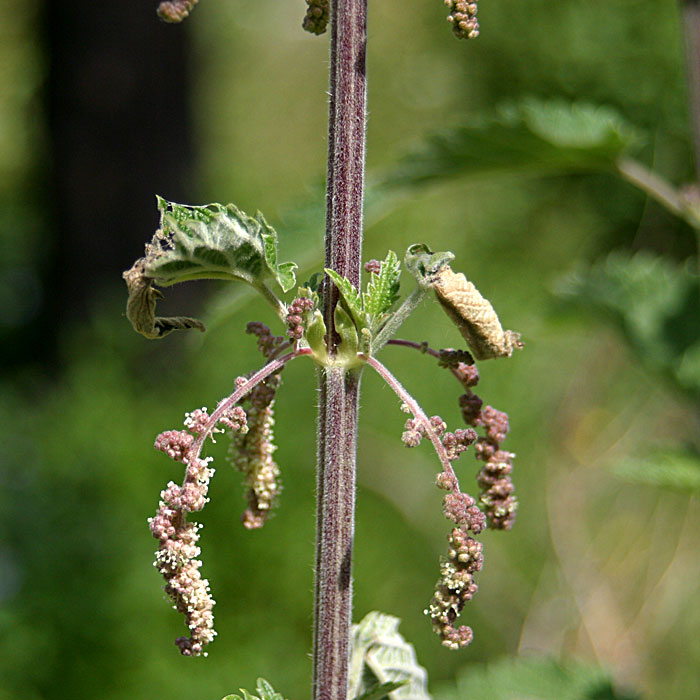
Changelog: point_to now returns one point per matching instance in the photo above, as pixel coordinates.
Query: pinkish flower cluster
(252, 453)
(268, 344)
(295, 316)
(175, 10)
(374, 267)
(454, 443)
(177, 555)
(455, 588)
(494, 479)
(462, 17)
(461, 508)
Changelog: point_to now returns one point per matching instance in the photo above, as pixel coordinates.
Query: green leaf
(316, 337)
(348, 348)
(214, 242)
(527, 136)
(656, 305)
(263, 688)
(536, 678)
(382, 290)
(351, 298)
(672, 469)
(380, 691)
(423, 263)
(381, 655)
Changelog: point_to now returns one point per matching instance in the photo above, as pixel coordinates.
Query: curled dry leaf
(473, 315)
(141, 306)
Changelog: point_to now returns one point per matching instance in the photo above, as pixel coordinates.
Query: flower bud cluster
(494, 479)
(268, 344)
(454, 443)
(374, 267)
(175, 10)
(251, 453)
(455, 588)
(317, 16)
(295, 316)
(462, 17)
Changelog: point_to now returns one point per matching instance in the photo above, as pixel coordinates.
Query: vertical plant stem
(339, 387)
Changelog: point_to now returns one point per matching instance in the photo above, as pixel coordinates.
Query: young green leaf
(382, 290)
(351, 298)
(381, 691)
(348, 348)
(263, 688)
(381, 655)
(214, 242)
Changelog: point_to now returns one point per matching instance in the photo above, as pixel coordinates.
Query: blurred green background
(233, 107)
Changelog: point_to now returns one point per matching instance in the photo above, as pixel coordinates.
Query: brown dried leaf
(473, 315)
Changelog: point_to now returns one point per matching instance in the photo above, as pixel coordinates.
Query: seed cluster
(462, 17)
(317, 16)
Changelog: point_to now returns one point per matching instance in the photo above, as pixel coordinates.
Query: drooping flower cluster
(177, 555)
(455, 588)
(317, 16)
(462, 17)
(494, 479)
(252, 451)
(175, 10)
(456, 585)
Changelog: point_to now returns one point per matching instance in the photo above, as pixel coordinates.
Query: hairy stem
(339, 388)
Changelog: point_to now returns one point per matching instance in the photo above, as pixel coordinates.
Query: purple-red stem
(338, 387)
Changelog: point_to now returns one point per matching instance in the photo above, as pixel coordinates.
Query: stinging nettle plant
(341, 326)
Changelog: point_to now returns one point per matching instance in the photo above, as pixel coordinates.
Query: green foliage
(672, 469)
(380, 655)
(350, 297)
(382, 290)
(423, 263)
(535, 679)
(215, 242)
(654, 302)
(371, 310)
(381, 691)
(262, 687)
(526, 136)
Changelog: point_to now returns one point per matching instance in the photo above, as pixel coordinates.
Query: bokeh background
(102, 107)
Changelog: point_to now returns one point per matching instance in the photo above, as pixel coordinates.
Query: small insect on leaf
(473, 315)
